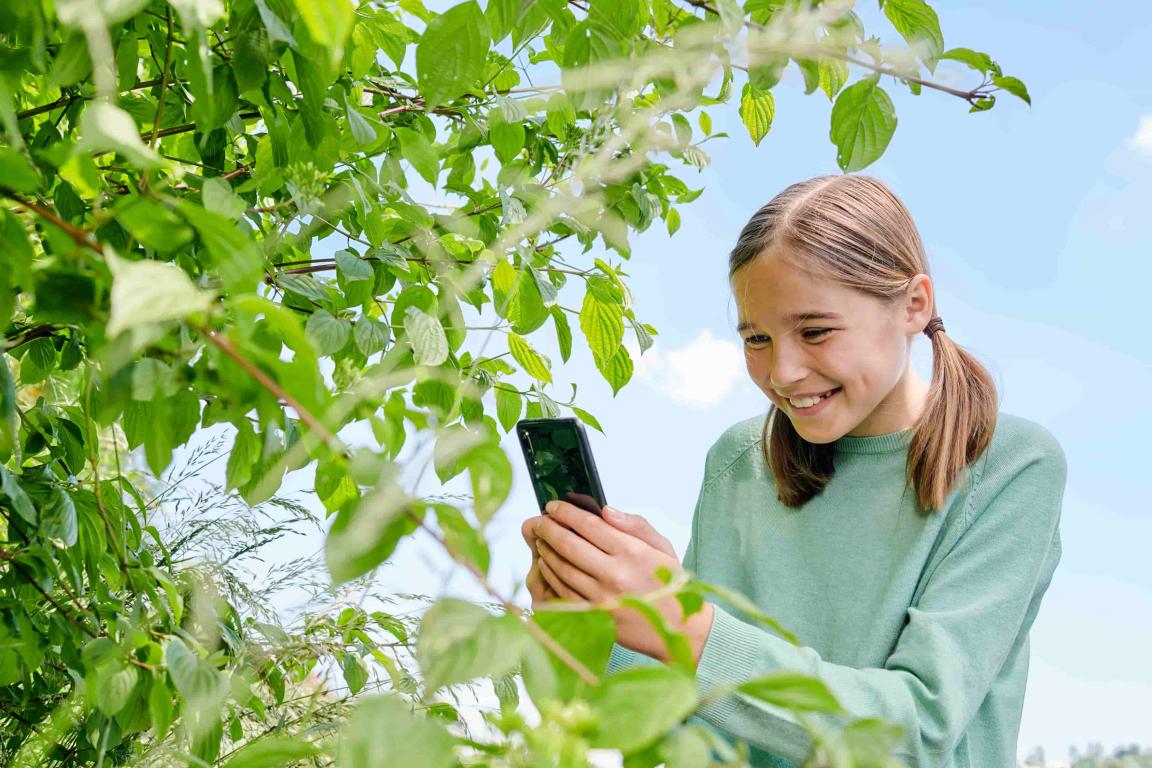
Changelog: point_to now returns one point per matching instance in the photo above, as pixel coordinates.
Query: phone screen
(560, 463)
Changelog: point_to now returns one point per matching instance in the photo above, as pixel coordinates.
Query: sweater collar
(886, 443)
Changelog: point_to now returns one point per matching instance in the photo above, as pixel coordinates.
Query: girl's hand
(587, 558)
(540, 589)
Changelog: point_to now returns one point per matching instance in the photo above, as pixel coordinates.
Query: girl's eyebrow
(797, 317)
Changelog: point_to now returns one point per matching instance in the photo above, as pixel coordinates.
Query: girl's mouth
(812, 410)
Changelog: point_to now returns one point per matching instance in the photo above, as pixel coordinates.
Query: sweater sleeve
(981, 596)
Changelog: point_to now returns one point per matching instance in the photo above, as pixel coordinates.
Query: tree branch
(267, 382)
(970, 96)
(76, 233)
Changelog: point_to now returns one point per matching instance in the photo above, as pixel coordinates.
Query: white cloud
(699, 374)
(1142, 141)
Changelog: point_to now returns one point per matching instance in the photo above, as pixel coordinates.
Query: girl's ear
(919, 302)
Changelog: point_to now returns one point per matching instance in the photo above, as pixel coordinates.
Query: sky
(1038, 230)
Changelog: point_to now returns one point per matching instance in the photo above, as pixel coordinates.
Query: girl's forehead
(782, 292)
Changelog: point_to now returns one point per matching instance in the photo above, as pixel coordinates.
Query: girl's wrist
(698, 627)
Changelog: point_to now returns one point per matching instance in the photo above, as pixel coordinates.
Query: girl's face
(862, 349)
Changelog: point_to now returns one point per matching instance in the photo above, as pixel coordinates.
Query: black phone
(560, 462)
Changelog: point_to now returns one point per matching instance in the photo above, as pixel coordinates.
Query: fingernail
(613, 514)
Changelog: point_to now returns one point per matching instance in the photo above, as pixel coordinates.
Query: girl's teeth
(810, 401)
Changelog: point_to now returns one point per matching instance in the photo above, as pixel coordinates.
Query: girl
(912, 607)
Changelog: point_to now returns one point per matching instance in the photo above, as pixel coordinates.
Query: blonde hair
(854, 230)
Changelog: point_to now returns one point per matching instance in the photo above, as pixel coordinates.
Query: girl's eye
(811, 333)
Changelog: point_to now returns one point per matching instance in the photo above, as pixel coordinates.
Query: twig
(266, 381)
(77, 234)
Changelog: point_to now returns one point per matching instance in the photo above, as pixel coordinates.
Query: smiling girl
(913, 607)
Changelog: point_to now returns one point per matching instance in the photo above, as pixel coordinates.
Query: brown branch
(969, 96)
(267, 382)
(76, 233)
(192, 126)
(38, 332)
(163, 83)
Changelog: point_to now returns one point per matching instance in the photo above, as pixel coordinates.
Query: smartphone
(560, 463)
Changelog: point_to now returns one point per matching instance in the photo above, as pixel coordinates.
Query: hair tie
(935, 324)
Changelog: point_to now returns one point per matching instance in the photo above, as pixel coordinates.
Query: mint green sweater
(921, 620)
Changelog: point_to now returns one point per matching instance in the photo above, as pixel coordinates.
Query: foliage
(171, 172)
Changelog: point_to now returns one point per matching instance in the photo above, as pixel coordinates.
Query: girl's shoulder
(736, 442)
(1016, 443)
(1021, 446)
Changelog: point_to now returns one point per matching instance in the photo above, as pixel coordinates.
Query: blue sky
(1039, 233)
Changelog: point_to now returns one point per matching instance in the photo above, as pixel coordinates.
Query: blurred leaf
(451, 53)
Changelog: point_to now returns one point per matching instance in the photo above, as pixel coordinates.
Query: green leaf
(792, 691)
(114, 685)
(220, 199)
(561, 114)
(150, 292)
(603, 325)
(863, 121)
(385, 725)
(460, 641)
(509, 406)
(329, 333)
(328, 21)
(304, 285)
(17, 171)
(918, 25)
(587, 418)
(501, 15)
(757, 108)
(534, 364)
(507, 138)
(587, 635)
(272, 752)
(362, 131)
(194, 678)
(833, 76)
(160, 707)
(366, 534)
(107, 128)
(244, 456)
(426, 334)
(451, 54)
(563, 332)
(637, 705)
(233, 252)
(354, 673)
(58, 521)
(9, 418)
(356, 278)
(18, 499)
(981, 62)
(617, 370)
(371, 335)
(1014, 86)
(461, 537)
(416, 149)
(491, 478)
(152, 224)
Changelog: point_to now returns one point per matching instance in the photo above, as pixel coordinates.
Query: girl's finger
(572, 577)
(564, 591)
(574, 548)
